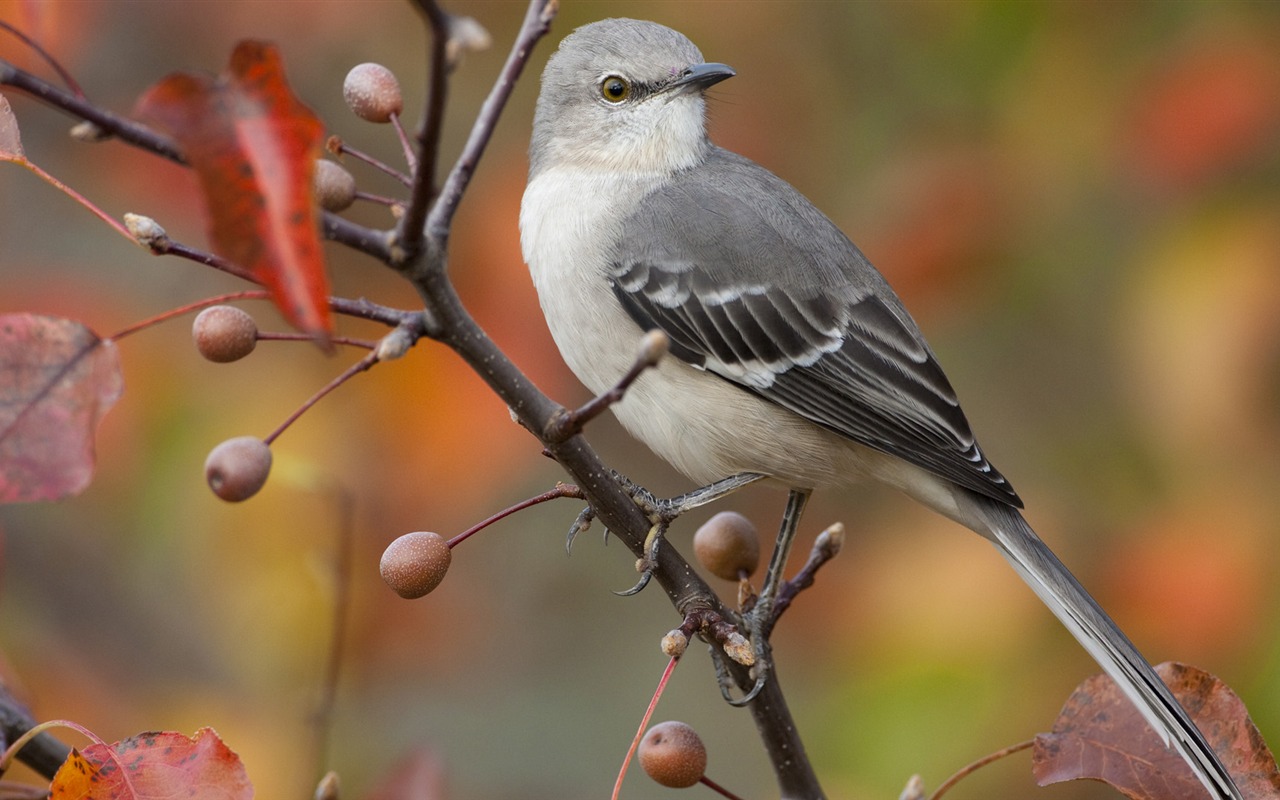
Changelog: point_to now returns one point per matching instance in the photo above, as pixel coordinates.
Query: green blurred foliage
(1080, 202)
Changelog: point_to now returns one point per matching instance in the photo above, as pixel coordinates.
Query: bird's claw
(580, 524)
(649, 562)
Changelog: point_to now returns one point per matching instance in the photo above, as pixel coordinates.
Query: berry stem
(74, 195)
(288, 336)
(346, 375)
(248, 294)
(345, 149)
(968, 769)
(561, 490)
(710, 784)
(409, 157)
(644, 723)
(46, 57)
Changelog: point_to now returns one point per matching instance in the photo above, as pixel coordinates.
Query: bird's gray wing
(771, 296)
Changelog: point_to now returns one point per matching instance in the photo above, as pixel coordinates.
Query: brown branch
(447, 320)
(537, 22)
(44, 753)
(123, 128)
(409, 231)
(366, 240)
(609, 501)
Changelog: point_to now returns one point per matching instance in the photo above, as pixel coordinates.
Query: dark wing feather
(835, 345)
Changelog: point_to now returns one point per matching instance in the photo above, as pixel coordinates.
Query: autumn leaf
(1101, 736)
(10, 139)
(254, 147)
(57, 379)
(152, 766)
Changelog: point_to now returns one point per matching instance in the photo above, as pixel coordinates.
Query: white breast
(565, 239)
(703, 425)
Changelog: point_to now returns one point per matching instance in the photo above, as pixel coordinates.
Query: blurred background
(1080, 202)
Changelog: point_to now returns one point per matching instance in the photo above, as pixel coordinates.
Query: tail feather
(1067, 599)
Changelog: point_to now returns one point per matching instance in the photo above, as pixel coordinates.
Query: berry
(334, 187)
(224, 333)
(237, 468)
(415, 563)
(672, 754)
(727, 546)
(372, 92)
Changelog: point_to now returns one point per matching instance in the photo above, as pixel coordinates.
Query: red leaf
(57, 379)
(1100, 735)
(10, 139)
(152, 766)
(254, 147)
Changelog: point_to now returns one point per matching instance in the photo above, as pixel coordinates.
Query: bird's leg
(670, 508)
(662, 512)
(760, 618)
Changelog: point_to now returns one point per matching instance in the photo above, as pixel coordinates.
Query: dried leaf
(57, 379)
(1100, 735)
(10, 138)
(152, 766)
(254, 147)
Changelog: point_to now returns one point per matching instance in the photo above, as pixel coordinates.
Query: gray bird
(793, 358)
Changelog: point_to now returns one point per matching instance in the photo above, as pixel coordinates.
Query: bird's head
(623, 95)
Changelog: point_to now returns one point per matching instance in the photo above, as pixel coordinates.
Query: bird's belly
(705, 426)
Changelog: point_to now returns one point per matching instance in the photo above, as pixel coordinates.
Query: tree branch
(409, 232)
(447, 320)
(370, 241)
(537, 21)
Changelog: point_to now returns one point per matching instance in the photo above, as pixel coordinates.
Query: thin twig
(653, 346)
(826, 547)
(561, 490)
(344, 557)
(367, 240)
(250, 294)
(122, 128)
(288, 336)
(337, 146)
(968, 769)
(46, 57)
(537, 22)
(409, 233)
(644, 723)
(350, 372)
(111, 221)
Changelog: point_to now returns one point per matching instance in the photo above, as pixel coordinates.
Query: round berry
(727, 546)
(372, 92)
(415, 563)
(237, 468)
(224, 333)
(672, 754)
(335, 188)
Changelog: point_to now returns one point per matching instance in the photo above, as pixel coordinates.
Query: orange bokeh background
(1080, 203)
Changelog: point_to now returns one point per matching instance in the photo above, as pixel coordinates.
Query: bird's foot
(663, 511)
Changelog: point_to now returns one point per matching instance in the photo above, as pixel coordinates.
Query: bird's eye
(615, 89)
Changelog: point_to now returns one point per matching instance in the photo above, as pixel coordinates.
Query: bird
(790, 357)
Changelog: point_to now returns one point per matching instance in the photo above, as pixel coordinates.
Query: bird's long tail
(1063, 594)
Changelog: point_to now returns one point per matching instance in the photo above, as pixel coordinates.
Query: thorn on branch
(567, 424)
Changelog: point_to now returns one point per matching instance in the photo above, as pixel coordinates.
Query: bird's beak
(701, 76)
